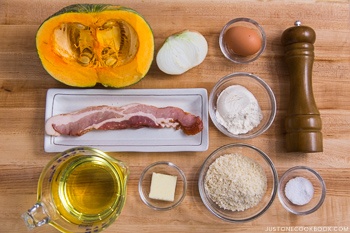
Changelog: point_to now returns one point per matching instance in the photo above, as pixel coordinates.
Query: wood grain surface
(24, 83)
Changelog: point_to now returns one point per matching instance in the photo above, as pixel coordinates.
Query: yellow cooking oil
(88, 189)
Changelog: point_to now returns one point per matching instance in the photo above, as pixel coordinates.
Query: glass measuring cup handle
(36, 216)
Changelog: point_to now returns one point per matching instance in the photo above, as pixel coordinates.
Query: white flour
(238, 110)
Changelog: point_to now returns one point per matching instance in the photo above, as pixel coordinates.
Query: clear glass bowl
(318, 186)
(166, 168)
(261, 91)
(272, 182)
(249, 23)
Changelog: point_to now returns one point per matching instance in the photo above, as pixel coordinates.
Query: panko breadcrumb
(235, 182)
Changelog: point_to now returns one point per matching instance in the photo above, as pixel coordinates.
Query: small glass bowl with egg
(242, 40)
(162, 185)
(238, 182)
(301, 190)
(242, 105)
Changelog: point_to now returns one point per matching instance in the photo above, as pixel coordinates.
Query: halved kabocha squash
(85, 44)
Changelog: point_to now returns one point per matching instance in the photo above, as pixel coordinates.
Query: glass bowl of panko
(238, 182)
(242, 105)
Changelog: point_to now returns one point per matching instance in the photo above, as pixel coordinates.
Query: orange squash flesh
(83, 45)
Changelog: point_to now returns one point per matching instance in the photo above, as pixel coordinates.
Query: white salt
(299, 191)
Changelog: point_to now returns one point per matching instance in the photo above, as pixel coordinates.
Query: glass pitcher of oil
(80, 190)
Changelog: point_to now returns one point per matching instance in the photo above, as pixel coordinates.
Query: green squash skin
(93, 8)
(83, 8)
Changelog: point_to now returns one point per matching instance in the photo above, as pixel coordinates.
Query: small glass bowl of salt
(301, 190)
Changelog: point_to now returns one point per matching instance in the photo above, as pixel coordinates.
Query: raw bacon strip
(131, 116)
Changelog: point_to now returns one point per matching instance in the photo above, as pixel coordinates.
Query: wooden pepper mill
(303, 122)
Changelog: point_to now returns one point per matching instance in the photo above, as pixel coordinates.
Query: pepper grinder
(303, 122)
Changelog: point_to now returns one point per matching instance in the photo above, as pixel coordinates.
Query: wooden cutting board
(24, 83)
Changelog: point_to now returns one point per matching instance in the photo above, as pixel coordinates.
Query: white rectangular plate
(192, 100)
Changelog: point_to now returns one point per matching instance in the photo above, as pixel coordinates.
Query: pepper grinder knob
(303, 122)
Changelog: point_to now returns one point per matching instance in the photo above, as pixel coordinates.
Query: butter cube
(163, 187)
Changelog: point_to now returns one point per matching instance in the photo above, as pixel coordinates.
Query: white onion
(181, 52)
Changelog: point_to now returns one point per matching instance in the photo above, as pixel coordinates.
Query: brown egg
(242, 41)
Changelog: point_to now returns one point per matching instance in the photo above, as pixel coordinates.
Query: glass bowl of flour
(242, 105)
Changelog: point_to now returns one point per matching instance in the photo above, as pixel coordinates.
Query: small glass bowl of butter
(162, 185)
